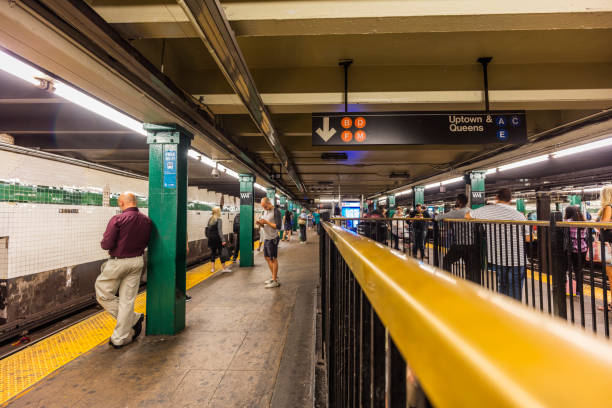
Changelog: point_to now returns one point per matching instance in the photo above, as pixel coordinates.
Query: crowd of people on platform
(505, 247)
(128, 233)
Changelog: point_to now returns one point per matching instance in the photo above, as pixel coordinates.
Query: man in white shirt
(461, 235)
(271, 223)
(505, 243)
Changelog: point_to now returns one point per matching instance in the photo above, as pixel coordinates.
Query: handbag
(224, 256)
(597, 252)
(301, 221)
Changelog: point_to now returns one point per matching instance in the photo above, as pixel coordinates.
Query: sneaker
(273, 284)
(226, 270)
(187, 298)
(269, 281)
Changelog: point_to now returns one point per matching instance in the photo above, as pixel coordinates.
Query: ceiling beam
(524, 99)
(335, 17)
(214, 30)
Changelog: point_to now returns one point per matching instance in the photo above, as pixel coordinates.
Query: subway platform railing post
(386, 316)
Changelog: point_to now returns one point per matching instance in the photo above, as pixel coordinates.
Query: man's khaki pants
(123, 274)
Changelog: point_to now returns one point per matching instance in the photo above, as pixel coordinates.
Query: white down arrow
(326, 133)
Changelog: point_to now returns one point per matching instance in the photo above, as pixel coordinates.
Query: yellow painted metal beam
(471, 347)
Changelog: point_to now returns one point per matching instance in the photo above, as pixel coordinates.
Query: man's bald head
(266, 203)
(127, 200)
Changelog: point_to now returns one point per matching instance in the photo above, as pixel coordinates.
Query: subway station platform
(243, 346)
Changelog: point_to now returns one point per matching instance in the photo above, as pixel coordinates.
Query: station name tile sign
(170, 166)
(418, 128)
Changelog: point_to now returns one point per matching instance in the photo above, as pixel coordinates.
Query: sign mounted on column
(418, 128)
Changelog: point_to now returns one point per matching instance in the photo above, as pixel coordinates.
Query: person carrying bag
(214, 235)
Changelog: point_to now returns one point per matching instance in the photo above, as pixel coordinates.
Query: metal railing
(535, 262)
(398, 333)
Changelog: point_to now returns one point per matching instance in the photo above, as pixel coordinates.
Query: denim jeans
(510, 280)
(419, 243)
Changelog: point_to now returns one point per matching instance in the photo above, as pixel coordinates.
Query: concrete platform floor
(244, 346)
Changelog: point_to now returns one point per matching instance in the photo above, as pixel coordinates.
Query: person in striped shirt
(505, 243)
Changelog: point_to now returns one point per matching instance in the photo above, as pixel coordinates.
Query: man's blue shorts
(271, 248)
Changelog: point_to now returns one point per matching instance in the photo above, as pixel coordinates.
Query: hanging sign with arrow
(418, 128)
(326, 133)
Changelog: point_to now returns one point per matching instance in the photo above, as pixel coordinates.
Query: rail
(539, 263)
(386, 315)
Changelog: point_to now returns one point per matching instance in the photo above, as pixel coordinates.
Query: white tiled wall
(41, 238)
(34, 170)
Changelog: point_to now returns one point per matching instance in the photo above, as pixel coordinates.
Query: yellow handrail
(584, 224)
(471, 347)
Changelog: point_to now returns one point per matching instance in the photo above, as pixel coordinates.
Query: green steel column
(574, 200)
(477, 188)
(166, 269)
(520, 205)
(418, 195)
(391, 200)
(247, 219)
(271, 194)
(283, 209)
(283, 204)
(296, 214)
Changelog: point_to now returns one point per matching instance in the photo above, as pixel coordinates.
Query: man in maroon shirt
(126, 237)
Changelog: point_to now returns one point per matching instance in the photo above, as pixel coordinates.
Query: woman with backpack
(576, 245)
(214, 234)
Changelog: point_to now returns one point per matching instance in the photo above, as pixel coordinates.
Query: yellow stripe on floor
(25, 368)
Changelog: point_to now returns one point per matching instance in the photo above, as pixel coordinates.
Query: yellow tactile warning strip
(586, 287)
(25, 368)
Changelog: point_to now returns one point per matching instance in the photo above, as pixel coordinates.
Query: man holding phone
(271, 223)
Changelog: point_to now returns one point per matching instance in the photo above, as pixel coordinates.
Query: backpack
(237, 224)
(212, 232)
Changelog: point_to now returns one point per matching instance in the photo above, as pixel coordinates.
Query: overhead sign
(170, 166)
(418, 128)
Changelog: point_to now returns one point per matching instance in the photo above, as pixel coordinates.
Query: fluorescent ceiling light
(259, 187)
(432, 185)
(192, 153)
(404, 192)
(451, 181)
(523, 163)
(586, 190)
(583, 148)
(34, 76)
(491, 171)
(20, 69)
(227, 171)
(93, 105)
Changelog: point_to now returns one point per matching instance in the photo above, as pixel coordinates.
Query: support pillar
(574, 200)
(391, 204)
(271, 194)
(166, 268)
(418, 195)
(520, 205)
(475, 188)
(283, 209)
(247, 219)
